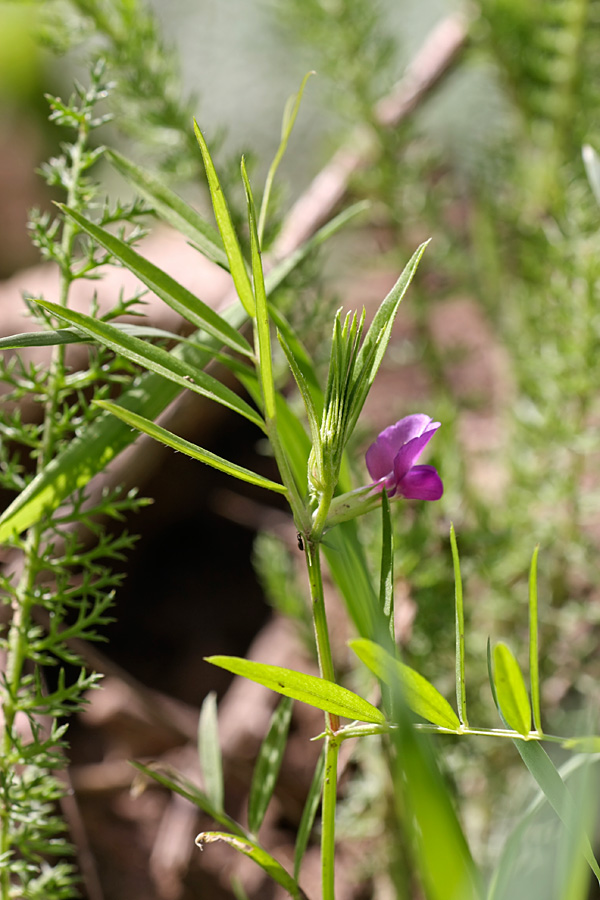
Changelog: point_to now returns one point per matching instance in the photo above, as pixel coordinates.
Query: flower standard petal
(421, 483)
(381, 454)
(408, 454)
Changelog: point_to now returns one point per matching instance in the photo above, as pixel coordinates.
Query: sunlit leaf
(309, 689)
(511, 691)
(418, 693)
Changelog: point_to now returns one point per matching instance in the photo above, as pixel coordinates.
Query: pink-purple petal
(421, 483)
(410, 452)
(381, 454)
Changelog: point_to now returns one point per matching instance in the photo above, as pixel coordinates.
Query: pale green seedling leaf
(174, 294)
(209, 751)
(308, 813)
(418, 693)
(268, 764)
(237, 264)
(289, 117)
(318, 692)
(156, 359)
(511, 691)
(147, 426)
(257, 854)
(172, 209)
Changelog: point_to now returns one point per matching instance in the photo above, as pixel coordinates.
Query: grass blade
(174, 294)
(386, 580)
(268, 764)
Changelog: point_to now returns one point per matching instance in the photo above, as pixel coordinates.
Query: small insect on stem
(300, 541)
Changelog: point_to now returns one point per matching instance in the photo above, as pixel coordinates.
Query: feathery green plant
(65, 567)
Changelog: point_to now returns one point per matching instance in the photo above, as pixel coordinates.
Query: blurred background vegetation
(499, 339)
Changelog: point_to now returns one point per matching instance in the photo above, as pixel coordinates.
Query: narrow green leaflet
(459, 624)
(308, 814)
(311, 412)
(592, 169)
(260, 856)
(170, 291)
(418, 693)
(237, 265)
(309, 689)
(386, 578)
(172, 209)
(511, 691)
(147, 426)
(175, 781)
(156, 360)
(268, 764)
(209, 751)
(263, 325)
(534, 667)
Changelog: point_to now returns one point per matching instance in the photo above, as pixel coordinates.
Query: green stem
(328, 821)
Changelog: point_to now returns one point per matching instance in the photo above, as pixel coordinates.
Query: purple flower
(391, 460)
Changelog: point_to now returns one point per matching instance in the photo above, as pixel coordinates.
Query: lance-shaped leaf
(319, 692)
(259, 855)
(237, 264)
(268, 764)
(511, 691)
(209, 751)
(172, 209)
(175, 781)
(156, 360)
(418, 693)
(309, 404)
(263, 327)
(308, 813)
(177, 443)
(174, 294)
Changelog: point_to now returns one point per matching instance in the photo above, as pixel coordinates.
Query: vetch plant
(312, 475)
